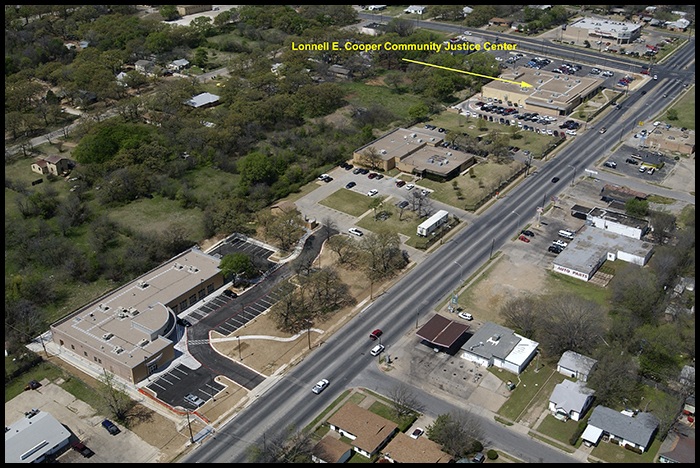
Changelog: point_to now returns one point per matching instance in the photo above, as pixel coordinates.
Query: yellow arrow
(522, 84)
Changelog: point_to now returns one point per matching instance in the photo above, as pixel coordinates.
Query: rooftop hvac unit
(178, 266)
(107, 336)
(496, 337)
(142, 284)
(133, 311)
(420, 140)
(122, 315)
(550, 101)
(103, 307)
(142, 343)
(448, 153)
(413, 135)
(191, 269)
(118, 350)
(382, 151)
(577, 81)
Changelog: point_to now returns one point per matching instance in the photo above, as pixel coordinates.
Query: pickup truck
(82, 449)
(110, 426)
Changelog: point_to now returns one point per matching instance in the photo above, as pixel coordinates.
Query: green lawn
(364, 95)
(558, 283)
(530, 383)
(556, 429)
(157, 214)
(613, 453)
(406, 225)
(347, 201)
(686, 111)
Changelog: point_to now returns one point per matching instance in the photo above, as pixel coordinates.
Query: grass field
(406, 225)
(527, 389)
(364, 95)
(347, 201)
(685, 107)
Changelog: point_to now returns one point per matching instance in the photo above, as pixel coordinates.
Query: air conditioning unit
(107, 336)
(142, 284)
(142, 343)
(133, 311)
(103, 307)
(178, 266)
(118, 349)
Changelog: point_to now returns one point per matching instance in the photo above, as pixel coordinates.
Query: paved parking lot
(172, 386)
(259, 254)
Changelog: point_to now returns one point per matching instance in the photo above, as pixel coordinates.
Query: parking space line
(228, 332)
(156, 384)
(179, 369)
(173, 375)
(162, 377)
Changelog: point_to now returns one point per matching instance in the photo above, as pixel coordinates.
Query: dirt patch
(506, 280)
(209, 243)
(376, 81)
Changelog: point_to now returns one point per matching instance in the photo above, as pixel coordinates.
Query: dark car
(84, 451)
(229, 293)
(403, 204)
(348, 167)
(111, 427)
(32, 385)
(631, 161)
(400, 183)
(528, 233)
(350, 185)
(555, 180)
(379, 176)
(375, 334)
(555, 249)
(372, 175)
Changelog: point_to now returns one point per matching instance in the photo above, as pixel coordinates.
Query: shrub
(477, 446)
(633, 449)
(491, 454)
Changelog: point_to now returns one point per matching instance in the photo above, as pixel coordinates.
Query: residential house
(415, 9)
(500, 22)
(179, 64)
(144, 66)
(331, 450)
(185, 10)
(202, 101)
(404, 449)
(369, 432)
(340, 72)
(679, 447)
(53, 164)
(576, 365)
(621, 428)
(570, 400)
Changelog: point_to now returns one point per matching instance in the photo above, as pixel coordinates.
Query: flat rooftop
(606, 26)
(619, 218)
(136, 313)
(548, 89)
(591, 244)
(442, 331)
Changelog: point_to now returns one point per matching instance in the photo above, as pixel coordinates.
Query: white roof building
(34, 437)
(570, 400)
(576, 365)
(495, 345)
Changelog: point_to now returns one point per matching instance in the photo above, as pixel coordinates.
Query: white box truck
(432, 223)
(566, 234)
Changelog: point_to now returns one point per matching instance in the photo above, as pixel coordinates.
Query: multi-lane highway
(344, 359)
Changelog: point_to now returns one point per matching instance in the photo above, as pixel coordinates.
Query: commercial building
(618, 31)
(617, 223)
(128, 331)
(592, 247)
(495, 345)
(550, 93)
(34, 437)
(415, 152)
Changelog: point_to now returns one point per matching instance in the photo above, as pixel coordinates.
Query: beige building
(595, 28)
(415, 152)
(185, 10)
(128, 331)
(369, 432)
(53, 164)
(550, 93)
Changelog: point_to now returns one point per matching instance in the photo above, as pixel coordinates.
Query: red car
(523, 238)
(375, 334)
(400, 183)
(372, 175)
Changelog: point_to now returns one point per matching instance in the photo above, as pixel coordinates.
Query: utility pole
(239, 348)
(189, 426)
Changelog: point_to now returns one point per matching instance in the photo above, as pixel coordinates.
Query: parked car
(195, 400)
(403, 204)
(355, 231)
(376, 350)
(465, 316)
(82, 449)
(555, 249)
(523, 238)
(631, 161)
(375, 334)
(417, 432)
(350, 185)
(372, 192)
(372, 175)
(320, 386)
(323, 177)
(560, 243)
(528, 233)
(410, 186)
(611, 164)
(111, 427)
(479, 458)
(400, 183)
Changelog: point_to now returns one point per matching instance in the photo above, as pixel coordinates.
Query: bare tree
(456, 432)
(570, 323)
(290, 446)
(329, 228)
(404, 400)
(371, 157)
(523, 314)
(345, 248)
(114, 396)
(613, 377)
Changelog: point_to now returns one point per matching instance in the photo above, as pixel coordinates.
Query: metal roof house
(624, 430)
(495, 345)
(202, 101)
(576, 365)
(34, 437)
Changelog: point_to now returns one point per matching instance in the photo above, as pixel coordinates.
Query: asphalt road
(344, 358)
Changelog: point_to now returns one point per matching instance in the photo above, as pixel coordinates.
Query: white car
(355, 231)
(323, 177)
(376, 350)
(410, 187)
(320, 386)
(571, 132)
(560, 243)
(417, 432)
(467, 33)
(425, 193)
(372, 192)
(465, 316)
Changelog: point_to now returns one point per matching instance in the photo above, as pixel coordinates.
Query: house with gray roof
(34, 437)
(576, 365)
(203, 100)
(570, 400)
(637, 431)
(495, 345)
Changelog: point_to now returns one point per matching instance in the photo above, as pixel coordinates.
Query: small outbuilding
(576, 365)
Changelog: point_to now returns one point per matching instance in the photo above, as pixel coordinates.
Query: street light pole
(516, 214)
(461, 272)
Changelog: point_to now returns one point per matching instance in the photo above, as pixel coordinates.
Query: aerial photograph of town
(350, 233)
